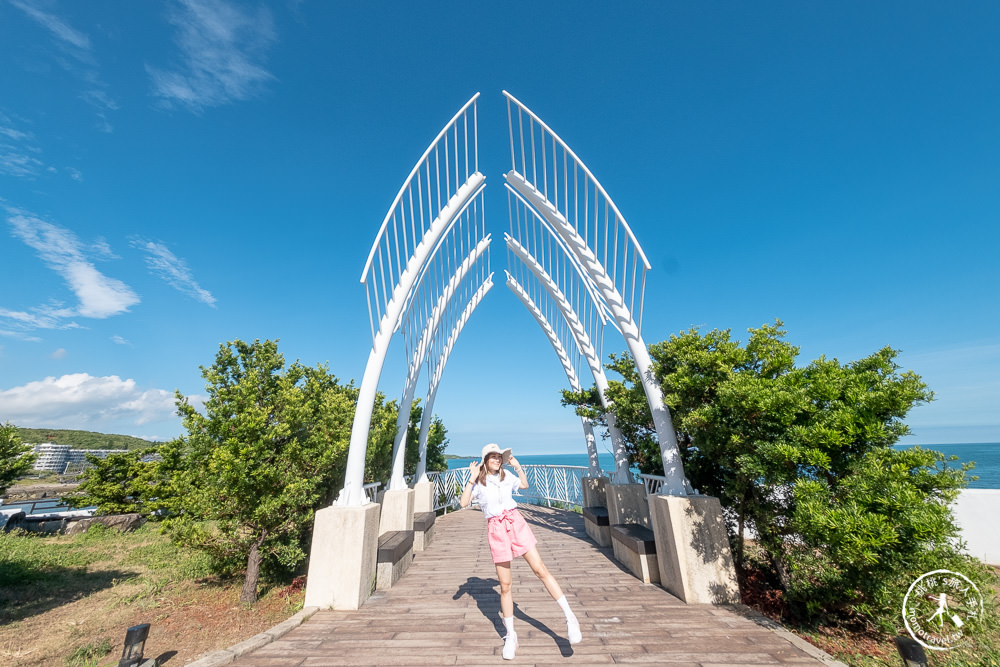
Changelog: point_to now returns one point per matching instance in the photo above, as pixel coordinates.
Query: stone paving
(445, 611)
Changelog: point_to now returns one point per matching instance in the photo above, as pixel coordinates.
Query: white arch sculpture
(560, 187)
(598, 247)
(558, 272)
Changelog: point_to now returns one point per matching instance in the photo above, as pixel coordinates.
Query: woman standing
(510, 536)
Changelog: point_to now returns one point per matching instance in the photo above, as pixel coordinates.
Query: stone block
(627, 504)
(692, 547)
(342, 557)
(397, 511)
(423, 497)
(595, 492)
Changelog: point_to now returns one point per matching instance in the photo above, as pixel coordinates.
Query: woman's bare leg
(506, 595)
(534, 560)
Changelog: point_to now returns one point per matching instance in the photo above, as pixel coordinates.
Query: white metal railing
(562, 484)
(653, 483)
(555, 172)
(371, 491)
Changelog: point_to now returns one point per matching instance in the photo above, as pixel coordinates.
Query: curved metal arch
(595, 297)
(435, 378)
(584, 345)
(396, 480)
(563, 356)
(607, 283)
(396, 261)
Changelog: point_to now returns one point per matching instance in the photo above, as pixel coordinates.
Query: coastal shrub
(16, 458)
(801, 458)
(134, 481)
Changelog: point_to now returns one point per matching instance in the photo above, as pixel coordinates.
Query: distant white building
(54, 458)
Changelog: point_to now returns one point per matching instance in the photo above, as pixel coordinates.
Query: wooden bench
(598, 525)
(423, 529)
(395, 553)
(635, 548)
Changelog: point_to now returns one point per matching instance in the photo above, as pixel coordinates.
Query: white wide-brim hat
(495, 448)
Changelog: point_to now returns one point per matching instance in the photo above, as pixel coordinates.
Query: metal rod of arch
(577, 207)
(564, 359)
(575, 331)
(573, 190)
(438, 371)
(397, 481)
(419, 217)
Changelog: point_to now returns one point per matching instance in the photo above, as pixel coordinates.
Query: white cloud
(99, 295)
(59, 354)
(80, 400)
(174, 270)
(118, 340)
(18, 150)
(222, 49)
(59, 28)
(76, 44)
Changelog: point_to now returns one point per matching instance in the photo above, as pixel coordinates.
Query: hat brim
(505, 455)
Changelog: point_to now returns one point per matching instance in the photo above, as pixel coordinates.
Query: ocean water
(986, 456)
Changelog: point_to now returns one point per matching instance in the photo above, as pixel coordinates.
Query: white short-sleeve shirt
(496, 496)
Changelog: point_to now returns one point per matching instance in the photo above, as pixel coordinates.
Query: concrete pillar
(627, 504)
(423, 497)
(692, 549)
(397, 511)
(342, 557)
(595, 492)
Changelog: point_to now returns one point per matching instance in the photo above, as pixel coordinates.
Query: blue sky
(175, 175)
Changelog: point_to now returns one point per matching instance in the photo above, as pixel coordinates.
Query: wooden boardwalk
(444, 611)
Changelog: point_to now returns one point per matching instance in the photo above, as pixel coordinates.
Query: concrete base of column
(423, 497)
(692, 549)
(397, 511)
(627, 504)
(342, 557)
(595, 492)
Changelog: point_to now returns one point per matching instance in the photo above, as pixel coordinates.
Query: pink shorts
(510, 536)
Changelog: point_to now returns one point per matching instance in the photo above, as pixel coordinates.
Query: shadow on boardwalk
(445, 611)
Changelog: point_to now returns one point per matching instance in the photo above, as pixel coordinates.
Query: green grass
(38, 571)
(88, 654)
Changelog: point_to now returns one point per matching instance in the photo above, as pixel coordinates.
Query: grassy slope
(67, 600)
(82, 439)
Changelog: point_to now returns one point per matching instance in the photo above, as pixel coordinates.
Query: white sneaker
(509, 645)
(573, 629)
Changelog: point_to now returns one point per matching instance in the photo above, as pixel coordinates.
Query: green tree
(268, 450)
(15, 456)
(134, 481)
(800, 456)
(437, 442)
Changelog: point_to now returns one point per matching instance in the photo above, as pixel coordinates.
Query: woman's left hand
(514, 464)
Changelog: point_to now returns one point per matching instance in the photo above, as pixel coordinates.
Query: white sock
(564, 605)
(509, 624)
